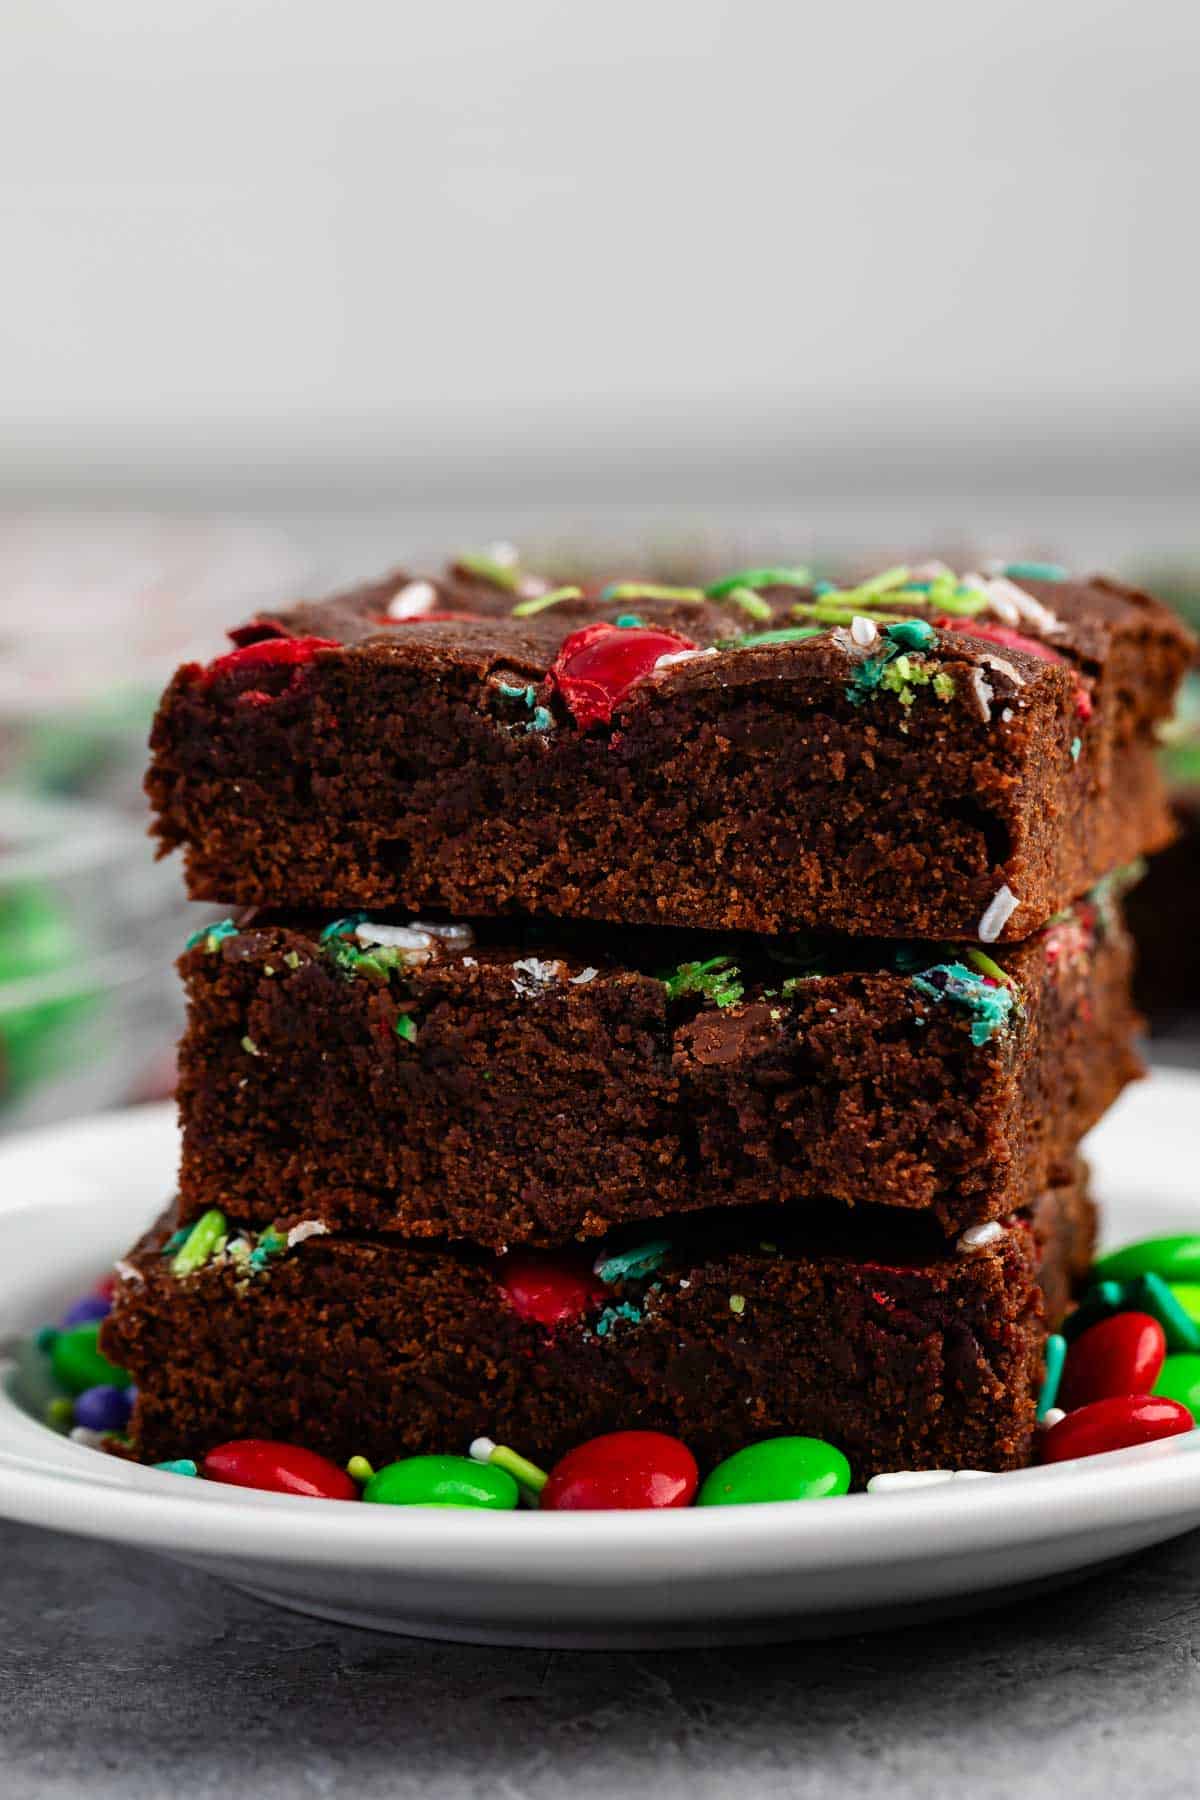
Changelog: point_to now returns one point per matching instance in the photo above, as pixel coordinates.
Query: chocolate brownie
(919, 756)
(903, 1353)
(440, 1081)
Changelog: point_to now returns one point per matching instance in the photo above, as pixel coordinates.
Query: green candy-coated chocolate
(1151, 1294)
(782, 1468)
(1179, 1380)
(1174, 1258)
(442, 1481)
(78, 1363)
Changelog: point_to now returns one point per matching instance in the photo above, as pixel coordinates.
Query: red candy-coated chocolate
(1114, 1424)
(550, 1290)
(620, 1471)
(279, 1468)
(1120, 1355)
(597, 666)
(274, 652)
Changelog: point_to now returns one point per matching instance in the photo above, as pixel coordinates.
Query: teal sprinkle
(825, 587)
(916, 587)
(1152, 1294)
(911, 634)
(632, 1265)
(629, 622)
(1076, 747)
(176, 1239)
(868, 675)
(182, 1465)
(343, 927)
(212, 936)
(611, 1314)
(542, 720)
(516, 693)
(1056, 1356)
(270, 1243)
(988, 1006)
(1035, 571)
(45, 1338)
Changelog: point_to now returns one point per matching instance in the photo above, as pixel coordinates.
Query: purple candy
(104, 1408)
(85, 1311)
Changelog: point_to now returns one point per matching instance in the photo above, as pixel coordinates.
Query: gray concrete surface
(132, 1680)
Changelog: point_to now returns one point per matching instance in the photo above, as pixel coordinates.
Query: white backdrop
(274, 237)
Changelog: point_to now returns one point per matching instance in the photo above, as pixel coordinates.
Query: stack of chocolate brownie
(659, 1007)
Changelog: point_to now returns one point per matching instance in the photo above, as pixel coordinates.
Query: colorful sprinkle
(212, 936)
(528, 1477)
(1035, 571)
(1056, 1356)
(205, 1239)
(990, 1004)
(911, 634)
(718, 979)
(539, 603)
(758, 578)
(997, 913)
(179, 1465)
(632, 1265)
(652, 590)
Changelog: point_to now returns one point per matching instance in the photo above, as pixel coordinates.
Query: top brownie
(923, 755)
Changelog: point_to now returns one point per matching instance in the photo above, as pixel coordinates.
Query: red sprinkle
(278, 1468)
(622, 1470)
(549, 1290)
(1114, 1424)
(287, 653)
(597, 666)
(1120, 1355)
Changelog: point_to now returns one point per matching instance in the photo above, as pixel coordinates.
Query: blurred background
(294, 292)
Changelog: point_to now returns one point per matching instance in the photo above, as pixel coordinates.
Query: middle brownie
(432, 1080)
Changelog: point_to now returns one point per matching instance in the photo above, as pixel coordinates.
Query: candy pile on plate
(1124, 1371)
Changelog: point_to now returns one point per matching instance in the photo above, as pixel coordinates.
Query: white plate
(72, 1199)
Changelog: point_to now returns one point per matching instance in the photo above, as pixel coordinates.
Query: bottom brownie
(912, 1356)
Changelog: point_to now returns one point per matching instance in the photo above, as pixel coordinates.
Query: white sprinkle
(457, 936)
(863, 631)
(978, 1237)
(504, 553)
(1007, 714)
(898, 1479)
(999, 911)
(584, 976)
(1027, 610)
(1051, 1416)
(394, 937)
(929, 571)
(531, 974)
(480, 1449)
(470, 962)
(412, 600)
(1002, 666)
(681, 656)
(83, 1434)
(127, 1272)
(307, 1228)
(984, 694)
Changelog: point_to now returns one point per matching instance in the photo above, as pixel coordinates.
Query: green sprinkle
(1035, 571)
(629, 622)
(943, 685)
(212, 936)
(180, 1465)
(1076, 747)
(501, 575)
(880, 584)
(60, 1413)
(987, 965)
(1056, 1356)
(539, 602)
(840, 609)
(340, 928)
(203, 1241)
(360, 1470)
(292, 959)
(758, 578)
(632, 1265)
(250, 1047)
(786, 634)
(527, 1475)
(912, 634)
(652, 590)
(406, 1028)
(719, 979)
(747, 601)
(737, 1303)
